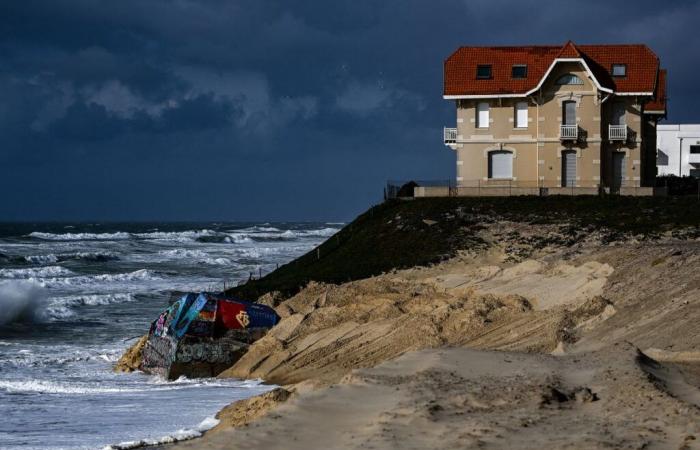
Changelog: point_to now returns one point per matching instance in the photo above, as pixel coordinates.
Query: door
(619, 169)
(569, 113)
(500, 164)
(568, 168)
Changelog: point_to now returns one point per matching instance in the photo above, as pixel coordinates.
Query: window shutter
(500, 164)
(569, 113)
(482, 120)
(521, 115)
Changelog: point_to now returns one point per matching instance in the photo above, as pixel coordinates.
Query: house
(678, 150)
(579, 117)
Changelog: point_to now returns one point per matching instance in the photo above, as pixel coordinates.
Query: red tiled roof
(658, 103)
(460, 68)
(569, 50)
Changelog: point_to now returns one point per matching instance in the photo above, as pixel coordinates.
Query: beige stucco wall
(537, 148)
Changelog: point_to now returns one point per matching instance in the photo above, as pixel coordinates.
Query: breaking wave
(52, 387)
(183, 253)
(90, 256)
(92, 300)
(180, 435)
(183, 236)
(36, 272)
(245, 235)
(41, 259)
(80, 236)
(81, 280)
(21, 301)
(248, 235)
(198, 255)
(52, 258)
(237, 239)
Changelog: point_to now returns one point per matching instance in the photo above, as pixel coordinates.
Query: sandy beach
(518, 346)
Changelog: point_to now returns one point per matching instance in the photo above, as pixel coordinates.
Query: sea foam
(36, 272)
(21, 301)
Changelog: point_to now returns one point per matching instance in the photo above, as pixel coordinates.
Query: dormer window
(519, 71)
(619, 70)
(569, 79)
(483, 71)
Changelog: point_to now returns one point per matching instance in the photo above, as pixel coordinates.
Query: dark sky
(260, 109)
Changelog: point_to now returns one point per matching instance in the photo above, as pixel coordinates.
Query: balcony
(568, 133)
(693, 158)
(617, 132)
(450, 135)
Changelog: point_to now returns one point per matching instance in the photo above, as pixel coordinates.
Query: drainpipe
(537, 140)
(602, 151)
(680, 157)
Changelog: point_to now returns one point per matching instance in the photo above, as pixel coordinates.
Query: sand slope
(407, 359)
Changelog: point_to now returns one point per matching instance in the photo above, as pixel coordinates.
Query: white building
(678, 150)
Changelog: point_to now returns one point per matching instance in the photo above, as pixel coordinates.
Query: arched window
(569, 79)
(500, 164)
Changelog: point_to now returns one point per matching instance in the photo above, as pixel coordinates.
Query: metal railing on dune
(405, 188)
(509, 187)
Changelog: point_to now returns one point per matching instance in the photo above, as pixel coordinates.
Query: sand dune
(490, 350)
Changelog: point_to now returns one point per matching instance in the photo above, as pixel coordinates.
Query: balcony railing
(694, 158)
(450, 135)
(617, 132)
(568, 132)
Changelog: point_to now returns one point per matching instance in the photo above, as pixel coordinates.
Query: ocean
(73, 297)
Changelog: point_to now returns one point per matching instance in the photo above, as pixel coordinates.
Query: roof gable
(569, 50)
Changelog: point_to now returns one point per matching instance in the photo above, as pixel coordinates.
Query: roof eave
(466, 97)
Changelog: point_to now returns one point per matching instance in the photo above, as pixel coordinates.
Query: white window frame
(483, 115)
(616, 66)
(521, 115)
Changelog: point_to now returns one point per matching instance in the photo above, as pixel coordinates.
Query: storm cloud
(261, 109)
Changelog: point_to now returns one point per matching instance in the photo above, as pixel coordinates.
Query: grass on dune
(401, 234)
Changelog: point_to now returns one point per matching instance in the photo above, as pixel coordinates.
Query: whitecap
(35, 272)
(183, 253)
(179, 236)
(238, 239)
(138, 275)
(52, 387)
(41, 259)
(90, 256)
(323, 232)
(120, 235)
(218, 261)
(92, 300)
